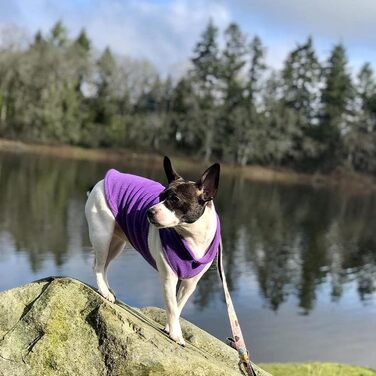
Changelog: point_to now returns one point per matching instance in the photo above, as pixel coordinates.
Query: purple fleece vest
(129, 197)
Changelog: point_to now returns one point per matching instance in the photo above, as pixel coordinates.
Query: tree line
(311, 115)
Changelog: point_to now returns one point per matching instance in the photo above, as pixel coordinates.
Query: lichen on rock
(61, 326)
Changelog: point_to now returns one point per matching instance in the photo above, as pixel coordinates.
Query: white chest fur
(200, 234)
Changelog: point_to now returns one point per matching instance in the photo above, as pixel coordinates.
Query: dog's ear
(209, 182)
(171, 174)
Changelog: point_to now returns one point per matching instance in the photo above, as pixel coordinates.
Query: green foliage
(301, 76)
(206, 62)
(231, 65)
(335, 102)
(58, 36)
(257, 67)
(360, 138)
(83, 41)
(206, 78)
(311, 116)
(250, 128)
(232, 115)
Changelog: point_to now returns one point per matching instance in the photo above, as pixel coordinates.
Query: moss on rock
(60, 326)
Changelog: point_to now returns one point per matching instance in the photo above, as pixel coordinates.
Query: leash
(237, 342)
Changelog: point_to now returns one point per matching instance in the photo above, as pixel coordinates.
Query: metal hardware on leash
(237, 342)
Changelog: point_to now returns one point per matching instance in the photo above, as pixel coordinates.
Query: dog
(175, 228)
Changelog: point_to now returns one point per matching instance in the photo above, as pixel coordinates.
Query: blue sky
(165, 31)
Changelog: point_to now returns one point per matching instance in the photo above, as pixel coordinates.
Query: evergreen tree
(256, 70)
(38, 39)
(246, 120)
(83, 42)
(279, 127)
(155, 104)
(107, 70)
(206, 62)
(231, 64)
(301, 79)
(185, 116)
(58, 35)
(206, 74)
(360, 140)
(335, 107)
(301, 84)
(105, 102)
(248, 131)
(225, 106)
(80, 51)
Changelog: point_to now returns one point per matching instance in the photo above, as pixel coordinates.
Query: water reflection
(300, 262)
(293, 239)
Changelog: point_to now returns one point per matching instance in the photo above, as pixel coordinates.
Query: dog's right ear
(171, 174)
(209, 182)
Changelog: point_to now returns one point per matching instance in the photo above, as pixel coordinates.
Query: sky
(165, 31)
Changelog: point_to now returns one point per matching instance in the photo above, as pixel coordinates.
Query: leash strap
(237, 342)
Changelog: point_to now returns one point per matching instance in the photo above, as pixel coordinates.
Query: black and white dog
(186, 206)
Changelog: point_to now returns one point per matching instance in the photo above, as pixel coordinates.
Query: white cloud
(166, 31)
(350, 20)
(163, 33)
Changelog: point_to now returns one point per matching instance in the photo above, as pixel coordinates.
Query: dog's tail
(89, 190)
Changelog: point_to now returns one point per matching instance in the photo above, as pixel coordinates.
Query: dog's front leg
(169, 283)
(187, 287)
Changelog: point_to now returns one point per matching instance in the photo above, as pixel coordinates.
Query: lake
(300, 261)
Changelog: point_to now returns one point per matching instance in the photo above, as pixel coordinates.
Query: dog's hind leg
(101, 246)
(117, 244)
(116, 247)
(101, 224)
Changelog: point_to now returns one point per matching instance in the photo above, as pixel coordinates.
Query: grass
(316, 369)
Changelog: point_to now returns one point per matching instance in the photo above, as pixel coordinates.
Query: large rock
(60, 326)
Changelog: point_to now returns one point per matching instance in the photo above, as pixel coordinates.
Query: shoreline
(351, 181)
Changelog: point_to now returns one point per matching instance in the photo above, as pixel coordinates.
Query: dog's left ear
(209, 182)
(169, 170)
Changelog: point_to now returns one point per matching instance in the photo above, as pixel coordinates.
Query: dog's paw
(112, 292)
(179, 340)
(109, 296)
(177, 336)
(166, 329)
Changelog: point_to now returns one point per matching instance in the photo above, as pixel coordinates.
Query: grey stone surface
(61, 326)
